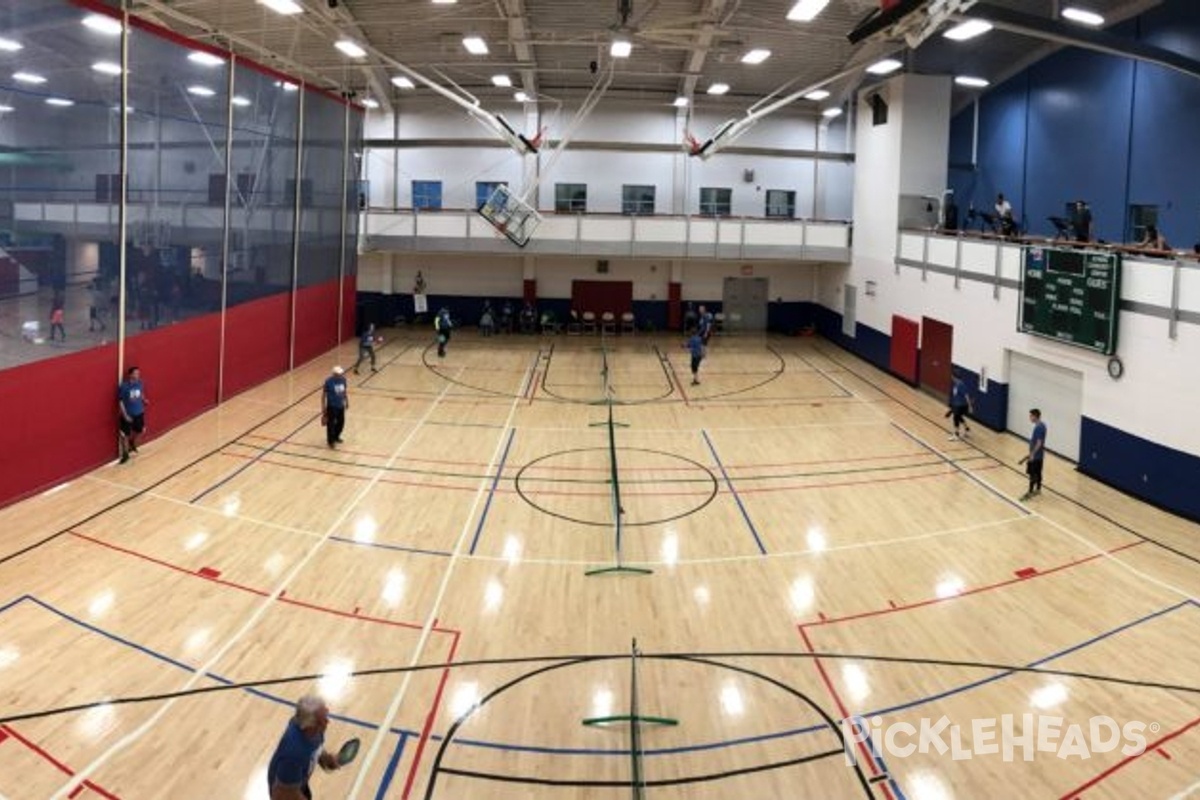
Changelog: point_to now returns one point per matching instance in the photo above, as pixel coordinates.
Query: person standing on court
(300, 750)
(1037, 454)
(960, 405)
(442, 326)
(335, 399)
(704, 325)
(131, 401)
(366, 347)
(696, 345)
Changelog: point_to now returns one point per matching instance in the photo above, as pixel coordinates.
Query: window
(570, 198)
(484, 189)
(781, 204)
(427, 195)
(637, 199)
(716, 202)
(1141, 217)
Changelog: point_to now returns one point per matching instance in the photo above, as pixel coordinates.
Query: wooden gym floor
(816, 548)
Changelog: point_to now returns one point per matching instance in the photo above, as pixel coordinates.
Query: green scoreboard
(1072, 296)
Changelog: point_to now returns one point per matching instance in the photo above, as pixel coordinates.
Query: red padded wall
(904, 357)
(256, 341)
(316, 320)
(179, 367)
(60, 419)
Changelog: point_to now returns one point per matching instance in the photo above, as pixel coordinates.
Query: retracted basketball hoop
(511, 216)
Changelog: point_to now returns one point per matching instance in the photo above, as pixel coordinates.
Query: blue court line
(386, 546)
(492, 492)
(407, 734)
(390, 772)
(733, 491)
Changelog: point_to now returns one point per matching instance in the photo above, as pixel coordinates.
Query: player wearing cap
(335, 399)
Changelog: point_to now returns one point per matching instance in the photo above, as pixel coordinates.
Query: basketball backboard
(914, 21)
(510, 215)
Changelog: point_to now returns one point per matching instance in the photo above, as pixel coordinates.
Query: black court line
(771, 377)
(433, 367)
(845, 390)
(264, 452)
(362, 384)
(1115, 523)
(562, 660)
(151, 487)
(966, 473)
(554, 395)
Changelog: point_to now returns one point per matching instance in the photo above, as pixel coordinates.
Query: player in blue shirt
(366, 347)
(131, 400)
(960, 405)
(442, 325)
(300, 750)
(1037, 454)
(704, 325)
(335, 399)
(696, 345)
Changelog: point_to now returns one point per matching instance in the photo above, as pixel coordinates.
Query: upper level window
(637, 199)
(716, 202)
(570, 198)
(781, 204)
(427, 195)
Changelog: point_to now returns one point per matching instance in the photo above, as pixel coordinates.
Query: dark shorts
(1034, 470)
(135, 425)
(696, 363)
(958, 412)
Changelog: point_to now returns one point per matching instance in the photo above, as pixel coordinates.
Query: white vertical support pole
(816, 208)
(342, 227)
(122, 211)
(999, 266)
(230, 181)
(1176, 276)
(296, 223)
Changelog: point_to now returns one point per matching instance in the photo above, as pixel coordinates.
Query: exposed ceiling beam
(513, 11)
(710, 11)
(344, 23)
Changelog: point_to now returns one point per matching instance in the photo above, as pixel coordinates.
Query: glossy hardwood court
(791, 542)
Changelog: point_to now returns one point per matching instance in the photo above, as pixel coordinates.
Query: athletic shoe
(1025, 497)
(124, 457)
(952, 438)
(695, 383)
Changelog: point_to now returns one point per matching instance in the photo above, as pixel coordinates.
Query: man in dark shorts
(1037, 454)
(442, 326)
(960, 406)
(696, 345)
(366, 348)
(300, 750)
(335, 399)
(131, 401)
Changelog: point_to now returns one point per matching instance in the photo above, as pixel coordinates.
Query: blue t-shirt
(958, 393)
(294, 758)
(696, 345)
(367, 341)
(335, 392)
(130, 395)
(1038, 436)
(442, 322)
(706, 321)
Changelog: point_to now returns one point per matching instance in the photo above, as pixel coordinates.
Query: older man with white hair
(300, 749)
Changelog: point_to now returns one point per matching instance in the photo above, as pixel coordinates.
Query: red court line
(60, 766)
(1076, 792)
(824, 620)
(837, 699)
(840, 484)
(255, 591)
(428, 727)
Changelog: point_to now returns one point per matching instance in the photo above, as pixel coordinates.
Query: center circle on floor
(654, 486)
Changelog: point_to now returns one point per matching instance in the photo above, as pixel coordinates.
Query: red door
(937, 343)
(903, 356)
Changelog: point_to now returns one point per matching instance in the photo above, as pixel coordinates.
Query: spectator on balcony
(1154, 240)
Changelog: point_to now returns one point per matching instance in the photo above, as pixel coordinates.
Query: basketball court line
(7, 733)
(398, 699)
(220, 653)
(1188, 793)
(1150, 748)
(728, 483)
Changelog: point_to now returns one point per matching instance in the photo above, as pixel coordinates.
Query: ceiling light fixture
(102, 24)
(831, 112)
(285, 7)
(521, 97)
(1083, 16)
(201, 91)
(817, 95)
(28, 77)
(6, 109)
(352, 49)
(502, 81)
(238, 100)
(205, 59)
(756, 56)
(884, 67)
(680, 102)
(62, 102)
(968, 30)
(475, 45)
(10, 46)
(370, 103)
(402, 82)
(621, 48)
(107, 67)
(718, 88)
(807, 10)
(972, 82)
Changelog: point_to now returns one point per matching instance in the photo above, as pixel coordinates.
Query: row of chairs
(607, 322)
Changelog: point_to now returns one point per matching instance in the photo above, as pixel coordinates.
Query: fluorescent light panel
(884, 67)
(102, 24)
(238, 100)
(352, 49)
(521, 97)
(475, 45)
(205, 59)
(817, 95)
(285, 7)
(6, 109)
(201, 91)
(107, 67)
(401, 82)
(369, 103)
(756, 56)
(680, 102)
(59, 101)
(718, 88)
(621, 48)
(807, 10)
(972, 82)
(1083, 16)
(28, 77)
(501, 80)
(968, 30)
(9, 45)
(831, 112)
